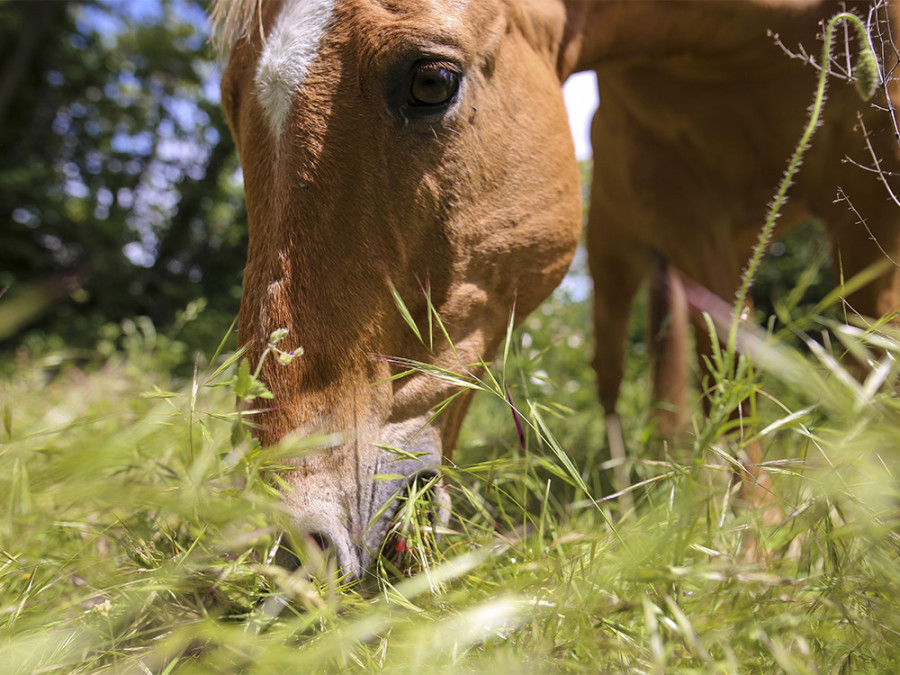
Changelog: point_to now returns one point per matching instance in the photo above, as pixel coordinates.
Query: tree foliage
(119, 185)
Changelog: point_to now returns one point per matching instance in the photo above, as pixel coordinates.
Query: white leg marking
(290, 49)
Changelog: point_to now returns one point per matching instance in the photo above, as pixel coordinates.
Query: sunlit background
(580, 92)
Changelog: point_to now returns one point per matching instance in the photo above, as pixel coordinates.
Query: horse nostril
(313, 549)
(322, 548)
(286, 557)
(322, 542)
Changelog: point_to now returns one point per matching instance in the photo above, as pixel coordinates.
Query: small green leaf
(247, 386)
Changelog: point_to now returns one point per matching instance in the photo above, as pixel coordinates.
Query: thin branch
(842, 197)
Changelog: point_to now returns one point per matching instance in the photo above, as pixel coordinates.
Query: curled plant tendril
(867, 71)
(867, 80)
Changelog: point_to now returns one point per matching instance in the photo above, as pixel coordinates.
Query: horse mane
(231, 21)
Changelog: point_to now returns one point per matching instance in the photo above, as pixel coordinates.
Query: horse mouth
(401, 541)
(421, 516)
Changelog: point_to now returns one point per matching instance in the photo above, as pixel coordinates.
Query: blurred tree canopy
(120, 191)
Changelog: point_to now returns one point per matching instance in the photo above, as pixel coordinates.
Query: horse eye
(433, 83)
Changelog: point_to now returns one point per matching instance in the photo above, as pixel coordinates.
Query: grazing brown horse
(413, 144)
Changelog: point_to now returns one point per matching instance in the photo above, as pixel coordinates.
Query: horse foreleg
(668, 328)
(618, 267)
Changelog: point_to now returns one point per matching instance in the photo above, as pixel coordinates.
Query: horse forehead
(293, 43)
(419, 8)
(290, 49)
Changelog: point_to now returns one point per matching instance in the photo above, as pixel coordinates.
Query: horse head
(391, 148)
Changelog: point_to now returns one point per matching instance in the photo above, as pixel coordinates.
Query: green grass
(139, 525)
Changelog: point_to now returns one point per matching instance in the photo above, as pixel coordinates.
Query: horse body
(692, 137)
(424, 147)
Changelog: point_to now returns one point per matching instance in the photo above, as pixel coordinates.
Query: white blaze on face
(291, 47)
